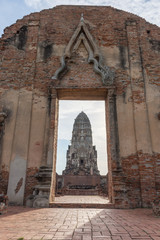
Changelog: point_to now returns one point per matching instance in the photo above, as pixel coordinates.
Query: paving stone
(49, 223)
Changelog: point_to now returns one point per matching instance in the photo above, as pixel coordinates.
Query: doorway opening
(76, 173)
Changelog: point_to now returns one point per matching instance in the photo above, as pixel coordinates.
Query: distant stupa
(81, 154)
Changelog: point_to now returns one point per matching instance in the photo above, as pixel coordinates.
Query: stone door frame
(106, 94)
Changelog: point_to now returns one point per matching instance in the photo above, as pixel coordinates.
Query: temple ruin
(81, 175)
(81, 154)
(80, 53)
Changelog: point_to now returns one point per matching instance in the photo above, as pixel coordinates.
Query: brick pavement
(79, 224)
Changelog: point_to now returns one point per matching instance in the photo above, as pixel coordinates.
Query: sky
(68, 111)
(11, 10)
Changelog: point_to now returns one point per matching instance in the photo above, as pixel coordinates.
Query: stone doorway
(97, 58)
(85, 94)
(81, 167)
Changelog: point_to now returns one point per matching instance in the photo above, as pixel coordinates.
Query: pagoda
(81, 154)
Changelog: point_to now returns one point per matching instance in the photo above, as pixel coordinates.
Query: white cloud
(37, 4)
(148, 9)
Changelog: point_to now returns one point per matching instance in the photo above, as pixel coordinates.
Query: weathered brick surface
(131, 168)
(30, 52)
(50, 26)
(4, 181)
(31, 181)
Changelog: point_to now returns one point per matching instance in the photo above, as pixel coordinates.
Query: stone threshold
(82, 205)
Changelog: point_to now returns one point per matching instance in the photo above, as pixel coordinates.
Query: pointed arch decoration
(82, 35)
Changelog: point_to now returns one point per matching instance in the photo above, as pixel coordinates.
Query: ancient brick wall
(30, 54)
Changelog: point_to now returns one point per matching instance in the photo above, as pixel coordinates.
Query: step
(80, 192)
(82, 205)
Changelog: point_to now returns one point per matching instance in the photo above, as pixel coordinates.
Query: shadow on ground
(79, 224)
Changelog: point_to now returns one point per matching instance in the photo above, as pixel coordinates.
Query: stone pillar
(113, 129)
(52, 145)
(116, 181)
(52, 127)
(141, 122)
(44, 192)
(109, 150)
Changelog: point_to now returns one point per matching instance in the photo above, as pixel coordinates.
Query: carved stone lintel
(82, 34)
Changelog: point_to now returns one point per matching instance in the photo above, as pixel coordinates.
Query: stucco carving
(82, 35)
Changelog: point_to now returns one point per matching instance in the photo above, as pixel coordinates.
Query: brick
(130, 46)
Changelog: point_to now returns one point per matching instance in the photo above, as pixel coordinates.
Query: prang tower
(81, 154)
